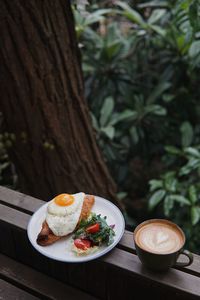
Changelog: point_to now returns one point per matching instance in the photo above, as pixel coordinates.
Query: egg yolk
(64, 199)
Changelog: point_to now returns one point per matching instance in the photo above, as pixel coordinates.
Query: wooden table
(26, 274)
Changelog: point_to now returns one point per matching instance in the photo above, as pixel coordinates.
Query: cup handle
(190, 257)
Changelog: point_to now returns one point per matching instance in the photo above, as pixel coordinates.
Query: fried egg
(63, 213)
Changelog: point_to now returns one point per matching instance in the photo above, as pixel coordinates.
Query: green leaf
(156, 199)
(168, 175)
(109, 131)
(155, 184)
(180, 199)
(112, 49)
(184, 4)
(159, 30)
(173, 150)
(87, 68)
(106, 111)
(168, 205)
(158, 91)
(192, 151)
(78, 17)
(189, 167)
(126, 115)
(194, 15)
(97, 39)
(181, 43)
(170, 184)
(193, 194)
(156, 15)
(82, 22)
(96, 16)
(156, 110)
(121, 195)
(134, 134)
(132, 14)
(125, 141)
(194, 50)
(110, 154)
(168, 97)
(195, 214)
(94, 122)
(154, 4)
(187, 134)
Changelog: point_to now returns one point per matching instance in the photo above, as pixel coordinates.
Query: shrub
(141, 68)
(176, 194)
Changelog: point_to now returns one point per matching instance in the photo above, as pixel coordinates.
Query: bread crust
(47, 237)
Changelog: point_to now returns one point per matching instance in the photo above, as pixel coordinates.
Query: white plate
(60, 250)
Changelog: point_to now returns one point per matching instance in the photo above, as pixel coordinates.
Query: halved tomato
(93, 228)
(82, 244)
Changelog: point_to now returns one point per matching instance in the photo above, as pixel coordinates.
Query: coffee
(159, 243)
(159, 237)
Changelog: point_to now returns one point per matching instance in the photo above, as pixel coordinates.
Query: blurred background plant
(176, 194)
(141, 65)
(141, 68)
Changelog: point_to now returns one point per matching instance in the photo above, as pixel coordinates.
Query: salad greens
(105, 234)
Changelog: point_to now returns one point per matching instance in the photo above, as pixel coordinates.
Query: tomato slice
(93, 228)
(82, 244)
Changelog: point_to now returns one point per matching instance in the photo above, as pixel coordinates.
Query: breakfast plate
(61, 250)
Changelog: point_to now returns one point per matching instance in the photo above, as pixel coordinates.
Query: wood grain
(174, 279)
(122, 261)
(29, 205)
(19, 200)
(11, 292)
(37, 283)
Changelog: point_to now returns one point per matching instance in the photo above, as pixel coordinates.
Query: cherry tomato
(82, 243)
(93, 228)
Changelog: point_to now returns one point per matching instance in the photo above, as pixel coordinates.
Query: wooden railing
(116, 275)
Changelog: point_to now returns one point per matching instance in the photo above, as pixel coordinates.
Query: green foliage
(179, 190)
(141, 66)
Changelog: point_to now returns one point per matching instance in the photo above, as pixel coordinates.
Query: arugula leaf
(104, 236)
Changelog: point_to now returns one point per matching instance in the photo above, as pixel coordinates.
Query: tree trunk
(42, 101)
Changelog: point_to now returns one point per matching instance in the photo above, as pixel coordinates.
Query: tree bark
(42, 101)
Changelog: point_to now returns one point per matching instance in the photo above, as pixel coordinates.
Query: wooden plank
(11, 292)
(17, 222)
(96, 278)
(25, 253)
(123, 261)
(19, 200)
(7, 245)
(77, 275)
(58, 270)
(183, 283)
(30, 205)
(14, 217)
(120, 282)
(127, 244)
(13, 240)
(37, 283)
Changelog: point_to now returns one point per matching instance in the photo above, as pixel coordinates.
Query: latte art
(159, 238)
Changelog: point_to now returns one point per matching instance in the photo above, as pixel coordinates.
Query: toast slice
(47, 237)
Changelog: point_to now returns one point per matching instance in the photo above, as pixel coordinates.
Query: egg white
(62, 220)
